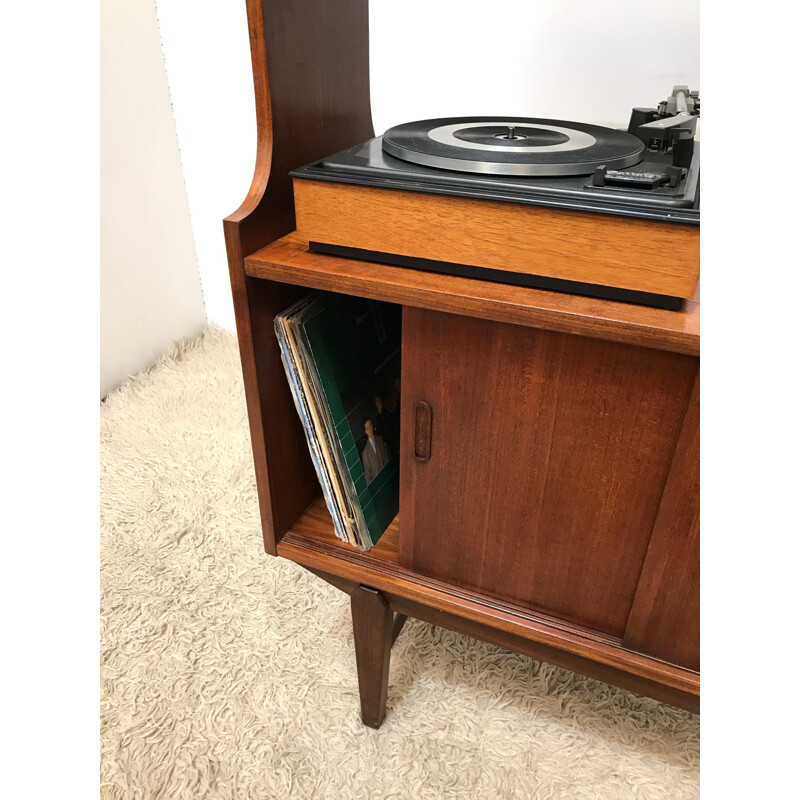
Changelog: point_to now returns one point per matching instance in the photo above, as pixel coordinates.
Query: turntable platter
(508, 146)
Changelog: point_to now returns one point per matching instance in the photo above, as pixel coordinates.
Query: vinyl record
(508, 146)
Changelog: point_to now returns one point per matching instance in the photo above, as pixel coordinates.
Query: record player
(552, 204)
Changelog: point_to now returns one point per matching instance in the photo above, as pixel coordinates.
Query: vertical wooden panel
(311, 80)
(549, 455)
(665, 618)
(293, 483)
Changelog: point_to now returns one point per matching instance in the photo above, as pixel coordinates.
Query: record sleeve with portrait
(342, 354)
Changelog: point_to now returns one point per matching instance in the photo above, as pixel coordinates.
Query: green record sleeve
(355, 344)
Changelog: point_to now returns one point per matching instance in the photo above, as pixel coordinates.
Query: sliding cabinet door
(533, 463)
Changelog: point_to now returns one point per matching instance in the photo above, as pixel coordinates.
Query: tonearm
(671, 126)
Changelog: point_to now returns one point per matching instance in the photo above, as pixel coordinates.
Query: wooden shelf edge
(386, 576)
(288, 260)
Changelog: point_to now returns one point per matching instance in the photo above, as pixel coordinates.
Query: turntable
(552, 204)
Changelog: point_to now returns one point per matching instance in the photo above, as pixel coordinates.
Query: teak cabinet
(549, 443)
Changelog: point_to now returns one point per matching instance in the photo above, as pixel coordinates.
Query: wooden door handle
(423, 422)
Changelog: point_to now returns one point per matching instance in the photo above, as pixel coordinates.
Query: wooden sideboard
(558, 512)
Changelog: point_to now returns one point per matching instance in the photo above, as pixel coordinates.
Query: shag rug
(230, 674)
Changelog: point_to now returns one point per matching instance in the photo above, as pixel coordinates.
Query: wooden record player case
(549, 443)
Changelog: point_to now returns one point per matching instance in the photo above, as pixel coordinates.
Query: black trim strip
(500, 276)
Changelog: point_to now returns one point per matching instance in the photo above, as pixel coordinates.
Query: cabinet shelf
(316, 526)
(288, 260)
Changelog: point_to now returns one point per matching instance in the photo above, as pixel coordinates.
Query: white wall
(150, 291)
(564, 59)
(207, 54)
(569, 59)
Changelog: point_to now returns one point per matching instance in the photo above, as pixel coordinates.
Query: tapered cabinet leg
(373, 625)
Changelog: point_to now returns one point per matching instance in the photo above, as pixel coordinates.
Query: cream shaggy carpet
(230, 674)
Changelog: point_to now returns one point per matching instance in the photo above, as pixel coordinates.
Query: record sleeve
(341, 355)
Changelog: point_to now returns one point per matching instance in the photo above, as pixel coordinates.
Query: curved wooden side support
(311, 79)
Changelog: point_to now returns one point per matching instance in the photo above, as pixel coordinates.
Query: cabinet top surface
(288, 260)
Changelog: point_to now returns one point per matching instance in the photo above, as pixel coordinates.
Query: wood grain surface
(548, 459)
(288, 259)
(310, 102)
(313, 543)
(665, 618)
(642, 255)
(631, 681)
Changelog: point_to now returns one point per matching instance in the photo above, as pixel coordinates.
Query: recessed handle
(423, 422)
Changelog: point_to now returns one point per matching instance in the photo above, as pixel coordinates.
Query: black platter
(521, 146)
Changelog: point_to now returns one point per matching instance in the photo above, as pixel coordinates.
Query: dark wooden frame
(311, 78)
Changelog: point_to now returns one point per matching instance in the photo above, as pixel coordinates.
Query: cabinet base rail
(379, 616)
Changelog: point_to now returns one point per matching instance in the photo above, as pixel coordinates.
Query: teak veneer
(639, 255)
(555, 510)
